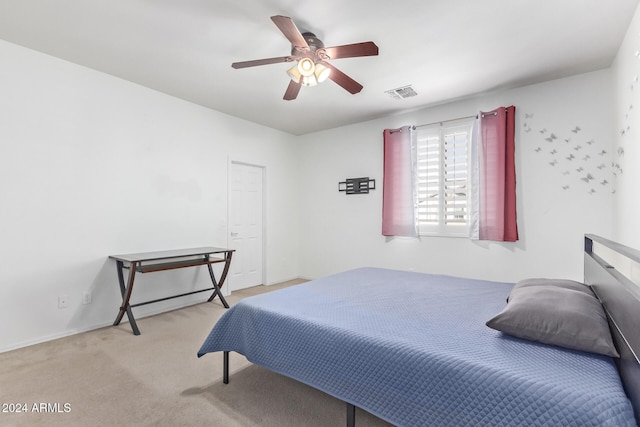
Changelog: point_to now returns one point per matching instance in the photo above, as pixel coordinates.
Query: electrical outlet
(63, 301)
(86, 298)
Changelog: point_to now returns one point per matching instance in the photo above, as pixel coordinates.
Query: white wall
(91, 165)
(555, 206)
(626, 200)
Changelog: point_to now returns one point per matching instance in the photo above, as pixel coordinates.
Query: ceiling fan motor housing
(316, 47)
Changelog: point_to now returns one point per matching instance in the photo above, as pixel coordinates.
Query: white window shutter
(443, 178)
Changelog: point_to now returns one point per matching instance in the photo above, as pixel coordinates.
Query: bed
(415, 349)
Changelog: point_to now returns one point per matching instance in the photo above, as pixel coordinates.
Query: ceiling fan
(311, 56)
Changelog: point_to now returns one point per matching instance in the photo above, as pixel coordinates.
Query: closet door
(246, 225)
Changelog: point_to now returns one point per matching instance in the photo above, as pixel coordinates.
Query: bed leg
(351, 415)
(225, 367)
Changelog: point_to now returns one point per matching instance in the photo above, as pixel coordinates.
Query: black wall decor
(357, 185)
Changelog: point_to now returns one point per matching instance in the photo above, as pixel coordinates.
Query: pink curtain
(398, 192)
(497, 175)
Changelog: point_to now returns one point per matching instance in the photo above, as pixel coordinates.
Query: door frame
(263, 250)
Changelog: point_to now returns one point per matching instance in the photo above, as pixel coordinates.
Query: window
(443, 178)
(439, 182)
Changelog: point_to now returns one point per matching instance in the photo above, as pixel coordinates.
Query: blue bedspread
(413, 349)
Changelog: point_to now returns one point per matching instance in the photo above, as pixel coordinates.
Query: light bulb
(306, 67)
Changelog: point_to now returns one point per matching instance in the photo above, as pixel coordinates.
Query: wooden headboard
(607, 268)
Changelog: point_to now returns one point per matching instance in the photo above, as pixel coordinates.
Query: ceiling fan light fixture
(306, 67)
(294, 74)
(309, 80)
(322, 72)
(307, 73)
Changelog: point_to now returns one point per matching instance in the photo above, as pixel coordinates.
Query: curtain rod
(445, 121)
(475, 116)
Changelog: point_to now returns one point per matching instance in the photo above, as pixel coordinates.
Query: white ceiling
(445, 49)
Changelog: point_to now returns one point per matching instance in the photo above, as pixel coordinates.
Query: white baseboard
(53, 337)
(75, 331)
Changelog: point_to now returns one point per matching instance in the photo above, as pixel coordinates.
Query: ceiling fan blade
(343, 80)
(290, 31)
(256, 62)
(352, 50)
(292, 91)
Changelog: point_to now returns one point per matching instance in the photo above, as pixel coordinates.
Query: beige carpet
(109, 377)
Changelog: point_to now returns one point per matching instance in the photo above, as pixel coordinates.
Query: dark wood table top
(175, 253)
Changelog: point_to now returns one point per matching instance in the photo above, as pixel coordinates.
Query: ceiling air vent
(402, 92)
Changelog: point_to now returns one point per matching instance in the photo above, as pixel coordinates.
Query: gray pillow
(558, 283)
(558, 316)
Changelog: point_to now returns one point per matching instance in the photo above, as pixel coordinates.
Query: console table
(148, 262)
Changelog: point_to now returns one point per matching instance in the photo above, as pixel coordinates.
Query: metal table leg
(216, 285)
(126, 295)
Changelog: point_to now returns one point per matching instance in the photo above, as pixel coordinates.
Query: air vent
(402, 92)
